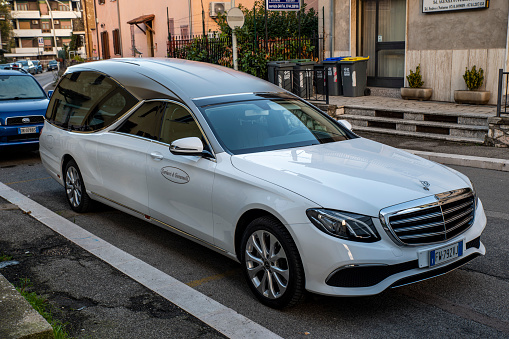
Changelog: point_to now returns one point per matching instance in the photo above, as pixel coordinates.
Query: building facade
(443, 37)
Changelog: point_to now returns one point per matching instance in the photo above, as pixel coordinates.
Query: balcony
(25, 14)
(26, 33)
(62, 15)
(31, 52)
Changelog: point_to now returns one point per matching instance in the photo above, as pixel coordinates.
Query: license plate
(27, 130)
(444, 254)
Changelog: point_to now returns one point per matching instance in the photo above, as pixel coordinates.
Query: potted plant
(474, 80)
(415, 91)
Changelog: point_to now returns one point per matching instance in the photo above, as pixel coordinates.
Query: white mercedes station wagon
(254, 172)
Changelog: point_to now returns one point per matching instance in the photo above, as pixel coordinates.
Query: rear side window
(145, 121)
(88, 101)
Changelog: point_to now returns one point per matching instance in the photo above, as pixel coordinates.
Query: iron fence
(218, 50)
(309, 84)
(502, 92)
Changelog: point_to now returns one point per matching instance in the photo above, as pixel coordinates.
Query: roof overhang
(144, 19)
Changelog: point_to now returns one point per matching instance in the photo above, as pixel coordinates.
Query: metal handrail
(502, 109)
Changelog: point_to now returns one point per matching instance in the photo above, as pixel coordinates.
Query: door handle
(156, 156)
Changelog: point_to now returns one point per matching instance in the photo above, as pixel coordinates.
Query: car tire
(272, 264)
(75, 191)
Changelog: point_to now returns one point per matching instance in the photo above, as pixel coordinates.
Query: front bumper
(345, 268)
(11, 137)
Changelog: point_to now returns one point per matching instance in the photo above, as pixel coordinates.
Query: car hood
(357, 175)
(9, 108)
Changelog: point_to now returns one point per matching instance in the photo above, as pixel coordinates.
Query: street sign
(41, 41)
(283, 5)
(235, 18)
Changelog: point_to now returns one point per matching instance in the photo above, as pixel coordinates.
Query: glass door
(382, 37)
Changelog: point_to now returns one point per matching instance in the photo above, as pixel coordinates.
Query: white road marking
(223, 319)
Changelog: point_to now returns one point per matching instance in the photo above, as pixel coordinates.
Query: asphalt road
(471, 302)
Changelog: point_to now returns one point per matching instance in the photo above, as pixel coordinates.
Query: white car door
(180, 186)
(122, 157)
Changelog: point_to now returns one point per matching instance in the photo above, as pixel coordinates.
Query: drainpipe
(190, 20)
(96, 32)
(331, 28)
(119, 30)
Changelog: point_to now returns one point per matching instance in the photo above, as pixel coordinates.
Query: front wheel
(75, 192)
(272, 265)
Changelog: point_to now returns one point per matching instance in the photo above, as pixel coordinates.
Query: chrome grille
(431, 219)
(34, 119)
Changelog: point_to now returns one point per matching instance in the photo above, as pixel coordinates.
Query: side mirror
(50, 93)
(187, 146)
(346, 124)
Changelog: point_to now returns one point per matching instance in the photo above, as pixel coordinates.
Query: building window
(172, 27)
(184, 31)
(65, 24)
(63, 7)
(24, 24)
(46, 27)
(101, 2)
(22, 6)
(105, 44)
(116, 42)
(48, 44)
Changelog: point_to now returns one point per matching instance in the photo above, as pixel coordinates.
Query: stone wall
(498, 134)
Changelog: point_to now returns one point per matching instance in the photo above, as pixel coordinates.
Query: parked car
(38, 66)
(27, 66)
(52, 65)
(23, 104)
(254, 172)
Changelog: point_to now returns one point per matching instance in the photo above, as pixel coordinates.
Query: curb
(19, 319)
(464, 160)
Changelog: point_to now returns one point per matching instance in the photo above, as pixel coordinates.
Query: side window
(87, 101)
(145, 121)
(178, 123)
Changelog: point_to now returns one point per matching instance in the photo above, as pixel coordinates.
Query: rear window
(19, 87)
(88, 101)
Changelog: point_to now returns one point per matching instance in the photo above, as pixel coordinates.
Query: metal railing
(309, 84)
(502, 92)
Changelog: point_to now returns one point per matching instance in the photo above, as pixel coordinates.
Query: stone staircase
(431, 120)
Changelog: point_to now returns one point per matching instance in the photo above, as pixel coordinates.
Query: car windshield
(15, 87)
(270, 124)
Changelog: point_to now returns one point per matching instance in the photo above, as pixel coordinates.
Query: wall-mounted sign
(283, 5)
(433, 6)
(40, 40)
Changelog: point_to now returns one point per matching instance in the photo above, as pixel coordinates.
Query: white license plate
(27, 130)
(446, 253)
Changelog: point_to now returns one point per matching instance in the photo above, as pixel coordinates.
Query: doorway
(381, 24)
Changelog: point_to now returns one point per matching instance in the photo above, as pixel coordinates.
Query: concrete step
(465, 118)
(417, 126)
(419, 134)
(415, 122)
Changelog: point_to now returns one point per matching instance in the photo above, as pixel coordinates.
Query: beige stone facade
(444, 43)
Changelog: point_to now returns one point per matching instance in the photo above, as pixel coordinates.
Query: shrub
(415, 79)
(473, 78)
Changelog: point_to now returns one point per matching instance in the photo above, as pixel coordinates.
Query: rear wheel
(75, 192)
(272, 265)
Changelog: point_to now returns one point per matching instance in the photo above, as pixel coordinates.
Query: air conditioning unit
(219, 7)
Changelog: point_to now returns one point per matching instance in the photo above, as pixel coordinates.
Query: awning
(144, 19)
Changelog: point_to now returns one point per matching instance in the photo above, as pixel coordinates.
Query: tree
(5, 27)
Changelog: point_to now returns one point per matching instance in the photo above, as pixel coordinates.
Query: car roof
(13, 72)
(149, 78)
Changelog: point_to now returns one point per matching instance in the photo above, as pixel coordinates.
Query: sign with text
(283, 5)
(433, 6)
(40, 40)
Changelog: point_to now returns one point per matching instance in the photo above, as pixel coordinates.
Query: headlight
(344, 225)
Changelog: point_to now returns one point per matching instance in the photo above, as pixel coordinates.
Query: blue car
(23, 105)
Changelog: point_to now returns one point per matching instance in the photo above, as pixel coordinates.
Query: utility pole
(53, 29)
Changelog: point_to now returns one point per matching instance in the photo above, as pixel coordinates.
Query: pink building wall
(109, 12)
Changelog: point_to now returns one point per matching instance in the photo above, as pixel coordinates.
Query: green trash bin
(280, 73)
(303, 77)
(354, 76)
